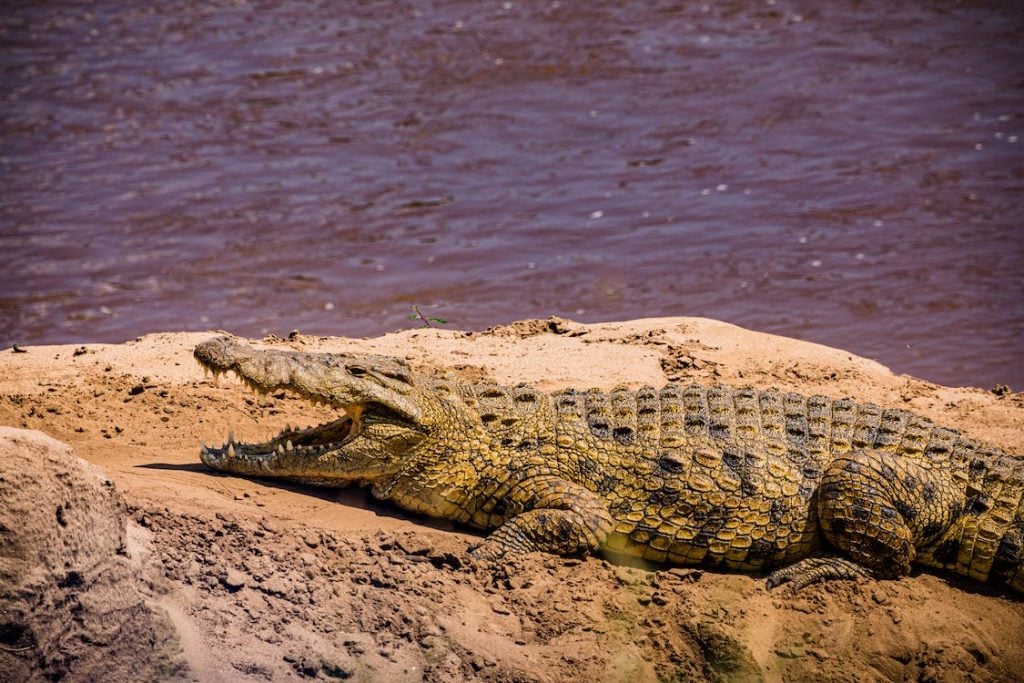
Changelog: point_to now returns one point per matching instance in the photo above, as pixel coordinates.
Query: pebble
(630, 576)
(274, 586)
(430, 642)
(820, 655)
(413, 545)
(685, 574)
(334, 669)
(234, 580)
(498, 605)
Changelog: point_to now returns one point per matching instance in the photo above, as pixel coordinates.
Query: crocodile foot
(488, 550)
(814, 569)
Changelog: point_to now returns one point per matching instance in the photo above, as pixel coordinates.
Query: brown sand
(269, 581)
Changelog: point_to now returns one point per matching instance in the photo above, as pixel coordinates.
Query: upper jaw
(322, 379)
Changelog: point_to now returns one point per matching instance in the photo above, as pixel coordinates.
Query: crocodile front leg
(549, 514)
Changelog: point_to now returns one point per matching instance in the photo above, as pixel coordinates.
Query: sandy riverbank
(266, 581)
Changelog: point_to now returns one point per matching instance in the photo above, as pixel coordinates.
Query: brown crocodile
(811, 487)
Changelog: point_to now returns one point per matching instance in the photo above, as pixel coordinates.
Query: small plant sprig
(428, 321)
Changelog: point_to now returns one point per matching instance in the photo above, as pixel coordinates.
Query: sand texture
(171, 571)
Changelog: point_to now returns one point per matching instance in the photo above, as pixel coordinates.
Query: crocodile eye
(356, 371)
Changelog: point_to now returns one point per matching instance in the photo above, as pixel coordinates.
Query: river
(843, 172)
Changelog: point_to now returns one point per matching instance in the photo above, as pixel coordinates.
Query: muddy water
(844, 172)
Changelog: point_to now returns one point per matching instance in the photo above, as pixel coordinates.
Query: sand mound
(70, 601)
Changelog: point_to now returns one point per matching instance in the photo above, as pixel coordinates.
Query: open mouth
(308, 441)
(311, 441)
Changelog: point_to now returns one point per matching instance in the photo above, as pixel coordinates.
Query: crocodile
(801, 488)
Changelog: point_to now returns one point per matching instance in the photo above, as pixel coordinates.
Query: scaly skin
(712, 476)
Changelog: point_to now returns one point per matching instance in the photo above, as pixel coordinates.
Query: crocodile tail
(988, 544)
(1008, 562)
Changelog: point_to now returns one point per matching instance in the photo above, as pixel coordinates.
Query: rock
(498, 605)
(442, 559)
(275, 586)
(333, 668)
(234, 580)
(820, 655)
(727, 655)
(67, 583)
(631, 576)
(308, 667)
(413, 545)
(685, 574)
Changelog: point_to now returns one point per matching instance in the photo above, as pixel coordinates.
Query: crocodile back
(802, 429)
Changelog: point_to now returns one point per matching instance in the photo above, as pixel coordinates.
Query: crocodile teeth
(288, 446)
(231, 451)
(280, 449)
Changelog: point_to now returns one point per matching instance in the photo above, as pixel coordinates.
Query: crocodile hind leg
(878, 509)
(549, 514)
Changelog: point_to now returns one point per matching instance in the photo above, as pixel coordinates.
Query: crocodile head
(383, 415)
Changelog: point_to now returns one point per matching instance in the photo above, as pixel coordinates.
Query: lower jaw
(242, 461)
(265, 452)
(300, 443)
